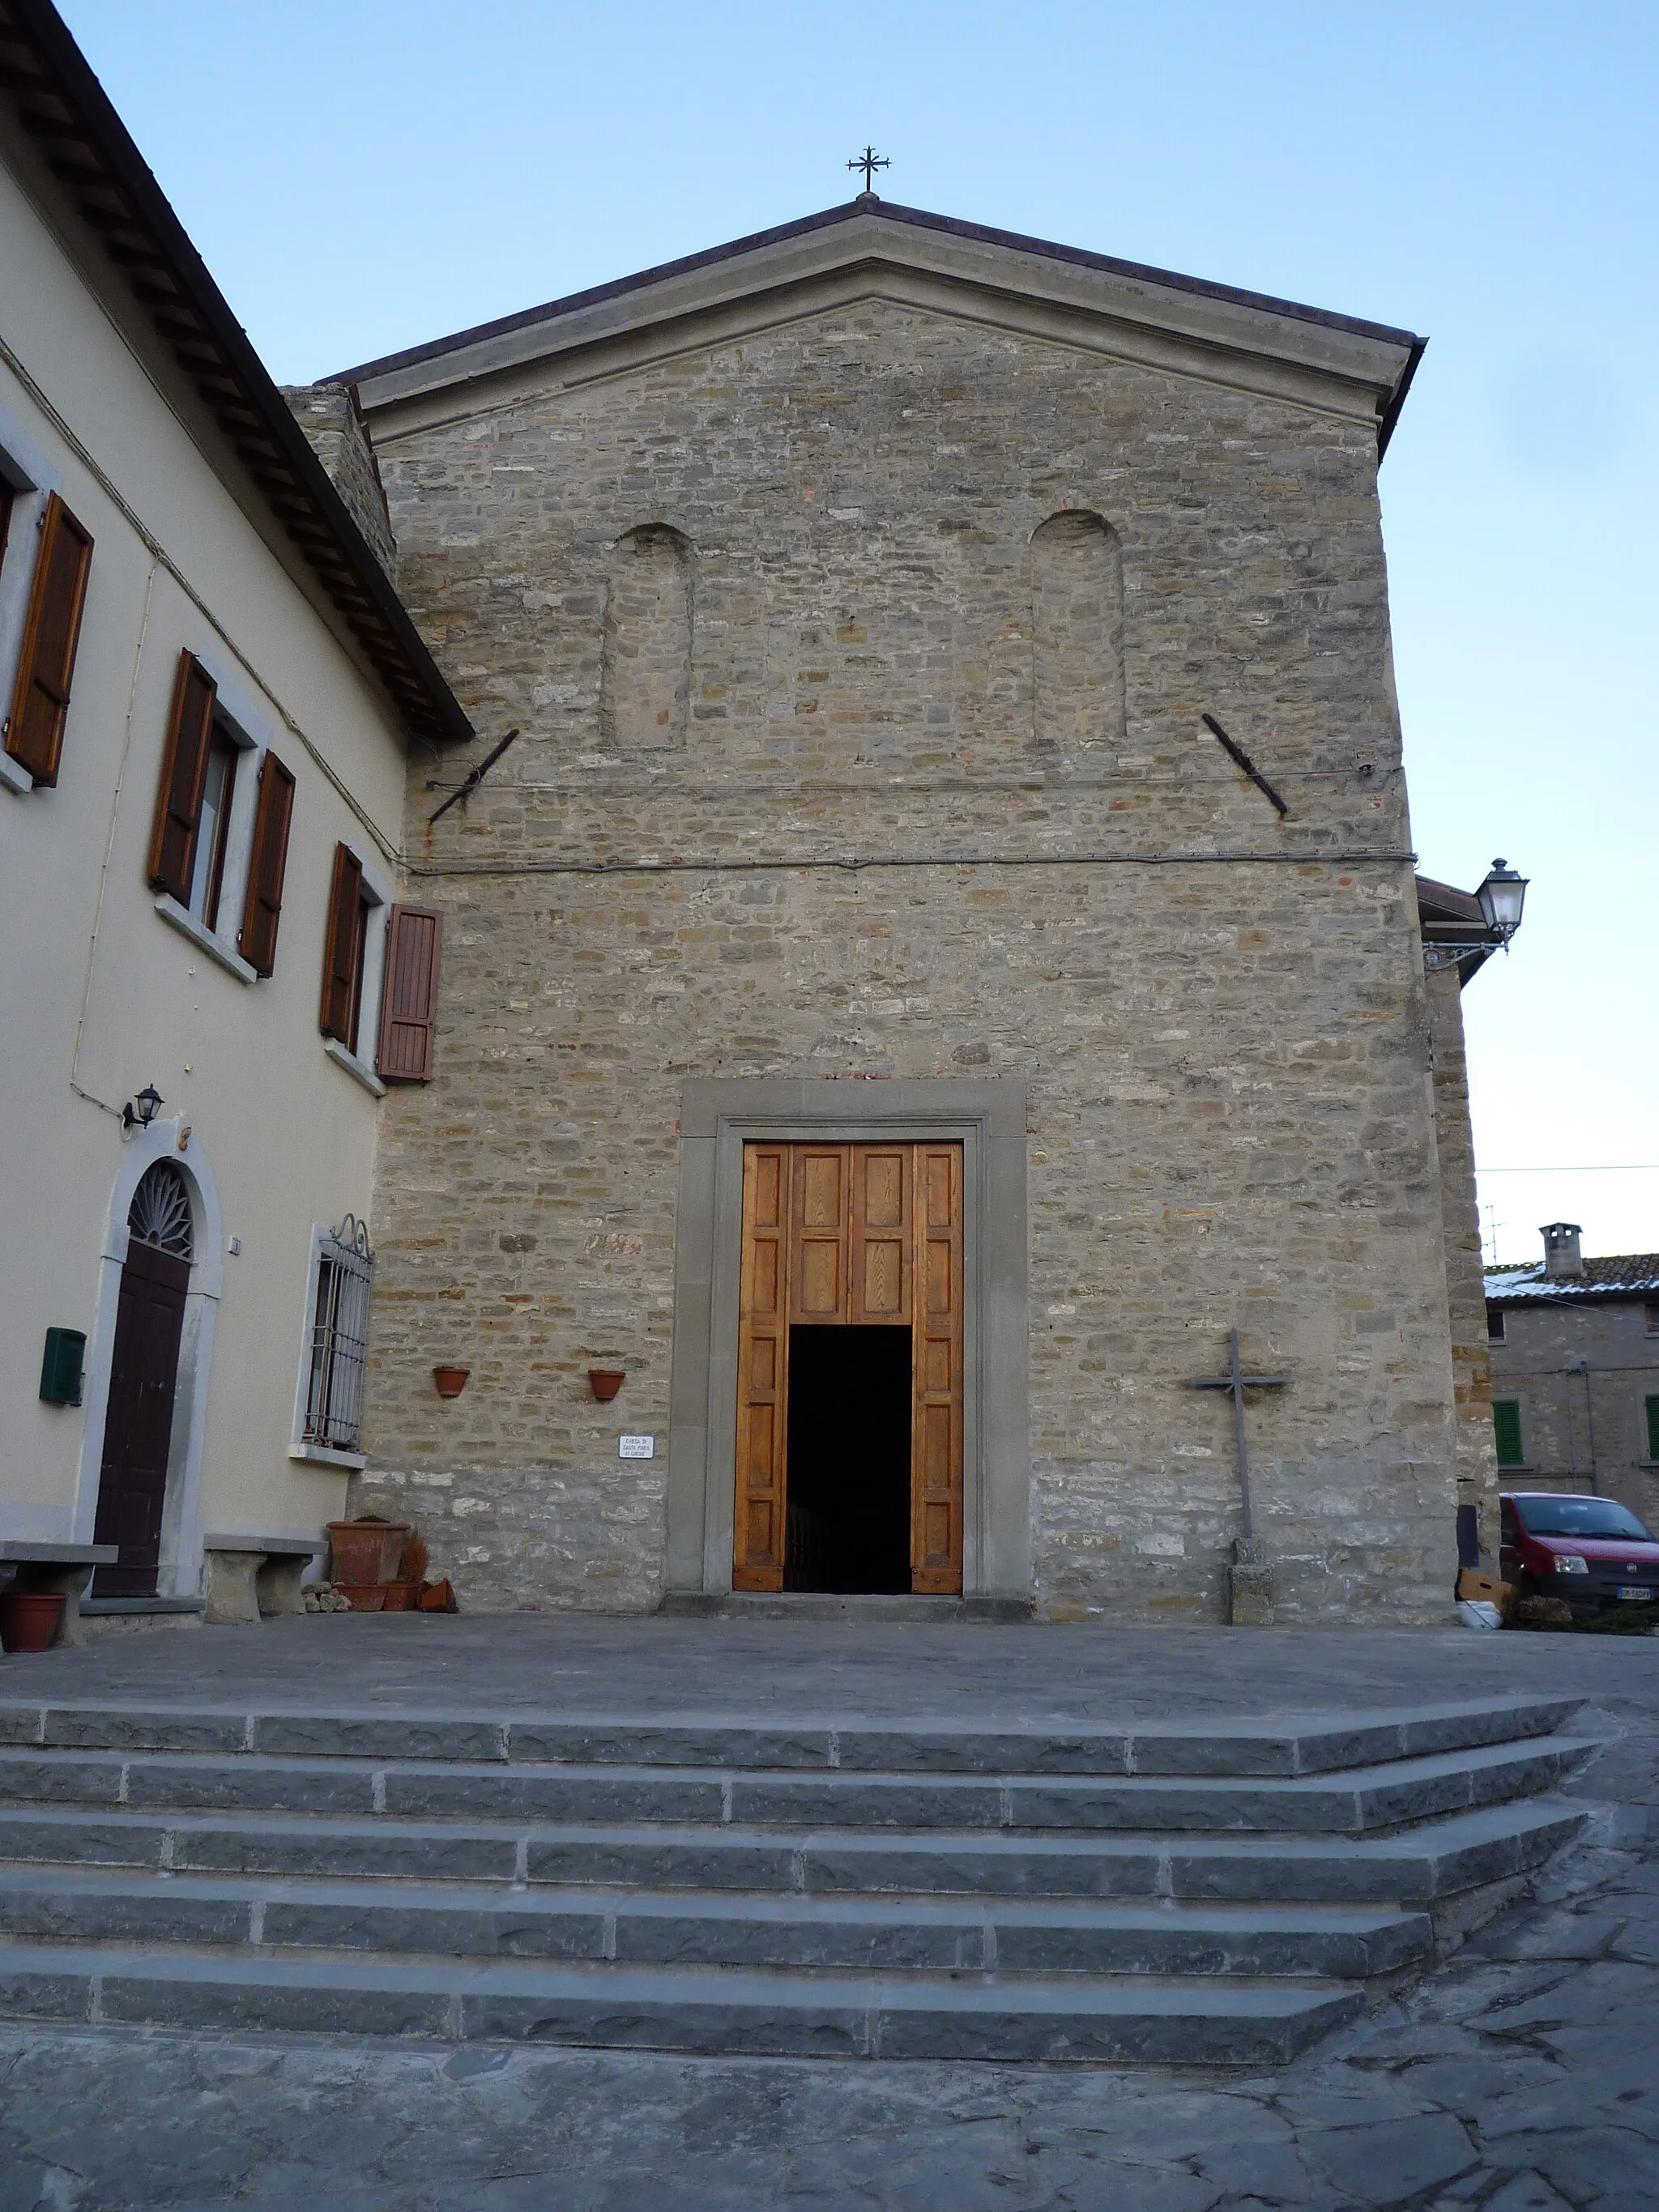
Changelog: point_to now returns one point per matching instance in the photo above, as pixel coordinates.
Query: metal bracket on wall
(1238, 753)
(473, 780)
(1438, 955)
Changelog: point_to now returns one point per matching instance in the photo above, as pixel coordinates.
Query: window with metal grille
(340, 1337)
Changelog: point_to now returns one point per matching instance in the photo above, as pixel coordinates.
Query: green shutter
(1653, 1428)
(1506, 1421)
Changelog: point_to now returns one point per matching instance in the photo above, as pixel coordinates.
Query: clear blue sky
(360, 175)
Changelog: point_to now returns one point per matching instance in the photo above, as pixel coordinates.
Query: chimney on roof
(1563, 1260)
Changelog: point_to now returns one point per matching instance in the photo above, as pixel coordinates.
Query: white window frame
(33, 480)
(301, 1447)
(378, 896)
(251, 733)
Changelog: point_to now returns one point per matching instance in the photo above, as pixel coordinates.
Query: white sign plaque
(636, 1448)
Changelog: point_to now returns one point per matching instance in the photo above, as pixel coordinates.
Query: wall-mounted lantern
(138, 1113)
(1501, 897)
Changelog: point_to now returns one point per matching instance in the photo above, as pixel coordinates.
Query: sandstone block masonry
(1477, 1462)
(844, 646)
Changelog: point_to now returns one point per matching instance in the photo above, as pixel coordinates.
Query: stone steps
(667, 1928)
(1223, 1746)
(1220, 1890)
(1458, 1852)
(782, 2012)
(1367, 1797)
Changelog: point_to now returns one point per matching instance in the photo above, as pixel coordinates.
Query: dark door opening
(848, 1459)
(138, 1421)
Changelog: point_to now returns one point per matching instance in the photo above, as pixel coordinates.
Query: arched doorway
(143, 1381)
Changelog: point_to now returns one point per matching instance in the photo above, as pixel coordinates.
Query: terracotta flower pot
(29, 1619)
(366, 1551)
(437, 1597)
(450, 1381)
(365, 1597)
(605, 1382)
(400, 1597)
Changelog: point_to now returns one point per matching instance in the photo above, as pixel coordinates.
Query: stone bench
(44, 1564)
(252, 1577)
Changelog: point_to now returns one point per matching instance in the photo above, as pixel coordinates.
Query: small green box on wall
(61, 1369)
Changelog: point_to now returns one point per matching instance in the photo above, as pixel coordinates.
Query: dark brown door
(138, 1422)
(851, 1237)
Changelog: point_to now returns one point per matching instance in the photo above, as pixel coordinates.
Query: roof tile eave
(1610, 1276)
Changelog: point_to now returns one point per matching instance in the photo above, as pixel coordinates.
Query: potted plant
(366, 1551)
(29, 1619)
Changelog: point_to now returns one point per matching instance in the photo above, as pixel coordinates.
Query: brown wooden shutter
(52, 631)
(184, 774)
(340, 946)
(258, 940)
(409, 994)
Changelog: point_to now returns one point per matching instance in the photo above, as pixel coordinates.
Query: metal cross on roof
(869, 160)
(1236, 1380)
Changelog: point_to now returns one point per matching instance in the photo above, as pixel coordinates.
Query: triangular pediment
(869, 249)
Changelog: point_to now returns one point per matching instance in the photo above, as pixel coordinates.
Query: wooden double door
(861, 1238)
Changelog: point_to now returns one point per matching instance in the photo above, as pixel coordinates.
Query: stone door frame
(718, 1117)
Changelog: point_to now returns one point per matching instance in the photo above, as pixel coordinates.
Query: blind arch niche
(645, 670)
(1076, 567)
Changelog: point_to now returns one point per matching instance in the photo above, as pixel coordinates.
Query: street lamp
(1501, 897)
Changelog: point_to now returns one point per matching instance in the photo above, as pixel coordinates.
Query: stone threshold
(813, 1605)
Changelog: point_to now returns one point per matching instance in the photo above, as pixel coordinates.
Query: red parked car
(1592, 1551)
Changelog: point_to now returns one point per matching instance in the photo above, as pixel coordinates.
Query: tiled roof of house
(1620, 1276)
(53, 99)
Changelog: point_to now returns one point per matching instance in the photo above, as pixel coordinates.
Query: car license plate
(1629, 1591)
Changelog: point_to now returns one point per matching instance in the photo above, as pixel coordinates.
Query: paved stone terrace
(1524, 2077)
(652, 1668)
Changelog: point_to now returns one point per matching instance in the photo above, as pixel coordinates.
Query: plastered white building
(209, 690)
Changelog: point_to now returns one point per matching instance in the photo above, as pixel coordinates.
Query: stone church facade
(859, 592)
